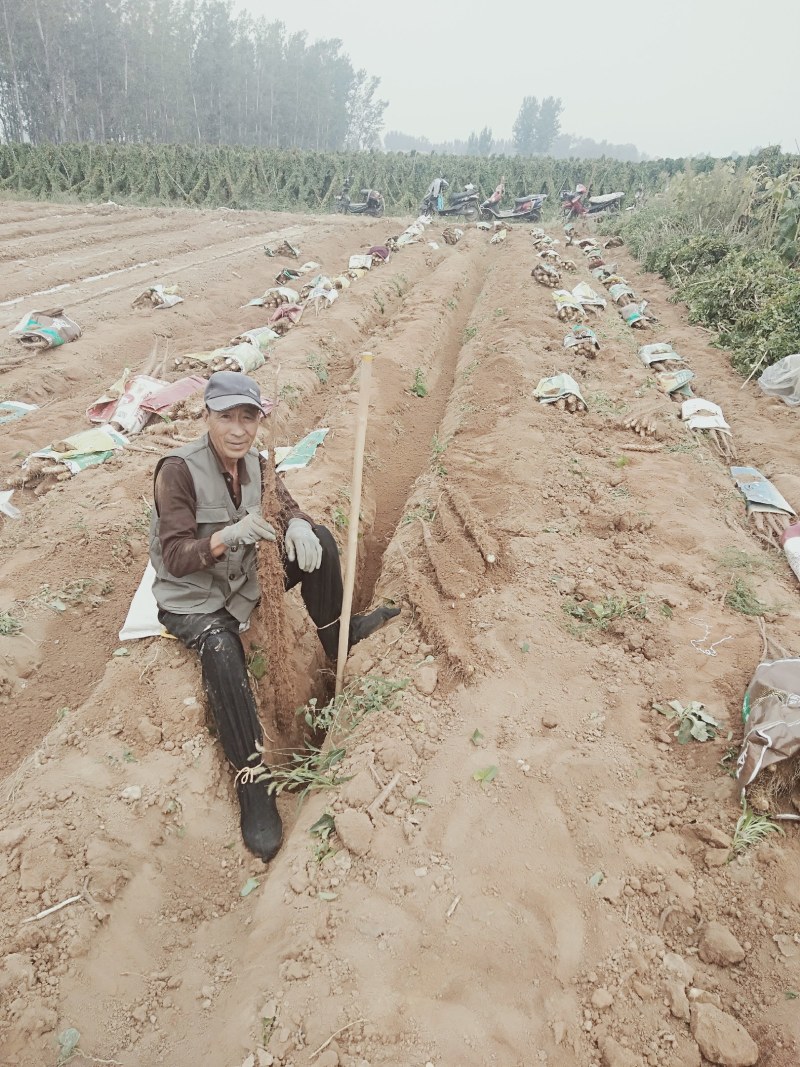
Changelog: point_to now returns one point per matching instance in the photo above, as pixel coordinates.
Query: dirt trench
(534, 876)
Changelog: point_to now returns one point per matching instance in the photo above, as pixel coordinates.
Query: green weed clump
(741, 598)
(728, 240)
(418, 386)
(317, 765)
(751, 829)
(598, 614)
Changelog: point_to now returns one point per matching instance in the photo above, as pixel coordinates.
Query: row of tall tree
(176, 71)
(537, 132)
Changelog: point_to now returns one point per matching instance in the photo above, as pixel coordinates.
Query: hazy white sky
(674, 77)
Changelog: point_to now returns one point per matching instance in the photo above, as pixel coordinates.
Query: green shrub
(727, 238)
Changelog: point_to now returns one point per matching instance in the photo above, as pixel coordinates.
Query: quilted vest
(232, 582)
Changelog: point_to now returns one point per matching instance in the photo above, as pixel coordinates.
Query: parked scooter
(371, 205)
(575, 203)
(526, 208)
(462, 205)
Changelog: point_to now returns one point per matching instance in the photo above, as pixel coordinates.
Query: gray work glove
(303, 544)
(247, 531)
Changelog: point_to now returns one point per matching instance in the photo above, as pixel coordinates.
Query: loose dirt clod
(721, 1038)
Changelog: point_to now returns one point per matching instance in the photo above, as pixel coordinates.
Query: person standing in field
(436, 192)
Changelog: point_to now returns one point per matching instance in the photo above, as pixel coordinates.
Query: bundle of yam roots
(777, 784)
(585, 343)
(273, 298)
(571, 313)
(569, 403)
(39, 474)
(645, 422)
(547, 275)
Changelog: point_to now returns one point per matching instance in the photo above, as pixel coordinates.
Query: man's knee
(222, 643)
(327, 540)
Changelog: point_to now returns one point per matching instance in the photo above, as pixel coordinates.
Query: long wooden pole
(353, 522)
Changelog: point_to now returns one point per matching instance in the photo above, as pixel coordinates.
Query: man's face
(232, 432)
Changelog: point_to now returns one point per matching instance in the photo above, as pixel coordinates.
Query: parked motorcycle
(575, 203)
(372, 203)
(526, 208)
(462, 205)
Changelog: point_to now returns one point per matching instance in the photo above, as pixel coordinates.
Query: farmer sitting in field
(206, 523)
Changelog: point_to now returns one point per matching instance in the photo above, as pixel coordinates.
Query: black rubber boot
(262, 829)
(362, 626)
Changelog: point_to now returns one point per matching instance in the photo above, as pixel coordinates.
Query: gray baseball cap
(229, 389)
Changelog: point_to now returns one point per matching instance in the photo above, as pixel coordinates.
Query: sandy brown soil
(558, 914)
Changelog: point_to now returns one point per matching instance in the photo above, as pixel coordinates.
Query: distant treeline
(182, 71)
(563, 146)
(243, 177)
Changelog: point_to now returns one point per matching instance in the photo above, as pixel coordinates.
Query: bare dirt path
(553, 910)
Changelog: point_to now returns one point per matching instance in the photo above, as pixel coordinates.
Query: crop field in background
(276, 179)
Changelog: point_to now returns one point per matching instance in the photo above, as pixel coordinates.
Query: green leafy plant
(728, 760)
(599, 613)
(694, 722)
(487, 775)
(73, 592)
(340, 517)
(741, 598)
(257, 663)
(360, 698)
(290, 394)
(418, 387)
(438, 448)
(323, 829)
(424, 511)
(319, 366)
(307, 771)
(469, 333)
(752, 828)
(476, 737)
